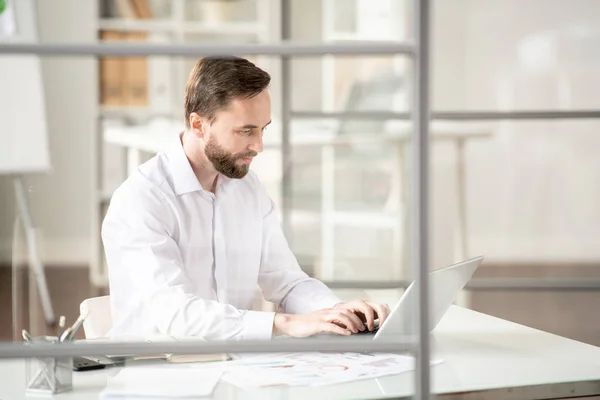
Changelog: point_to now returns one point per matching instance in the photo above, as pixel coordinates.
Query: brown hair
(215, 81)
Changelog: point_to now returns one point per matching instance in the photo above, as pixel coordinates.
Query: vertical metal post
(286, 108)
(460, 232)
(420, 226)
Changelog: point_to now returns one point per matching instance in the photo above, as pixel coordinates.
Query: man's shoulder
(150, 182)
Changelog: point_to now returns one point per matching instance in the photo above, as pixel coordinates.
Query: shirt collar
(184, 179)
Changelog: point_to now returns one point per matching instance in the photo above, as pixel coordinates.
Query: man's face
(234, 137)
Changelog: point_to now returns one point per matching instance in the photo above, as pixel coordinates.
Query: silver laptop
(445, 285)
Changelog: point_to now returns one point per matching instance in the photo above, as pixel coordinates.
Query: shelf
(170, 26)
(127, 25)
(134, 112)
(226, 28)
(373, 219)
(354, 37)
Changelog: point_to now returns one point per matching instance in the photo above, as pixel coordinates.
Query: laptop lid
(445, 285)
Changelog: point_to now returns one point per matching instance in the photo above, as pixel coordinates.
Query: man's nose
(257, 145)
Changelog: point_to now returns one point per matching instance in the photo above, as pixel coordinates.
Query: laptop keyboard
(375, 329)
(366, 331)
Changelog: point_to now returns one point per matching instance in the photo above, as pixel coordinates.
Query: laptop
(445, 285)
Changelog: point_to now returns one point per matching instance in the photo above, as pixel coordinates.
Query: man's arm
(309, 304)
(282, 280)
(138, 245)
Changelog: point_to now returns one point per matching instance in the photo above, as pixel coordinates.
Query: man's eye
(246, 132)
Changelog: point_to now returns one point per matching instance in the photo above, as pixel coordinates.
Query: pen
(61, 325)
(26, 336)
(70, 332)
(64, 335)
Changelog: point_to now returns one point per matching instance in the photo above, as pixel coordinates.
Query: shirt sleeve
(280, 277)
(140, 249)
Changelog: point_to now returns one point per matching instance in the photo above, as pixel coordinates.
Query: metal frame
(420, 117)
(456, 115)
(420, 182)
(349, 344)
(486, 284)
(284, 50)
(281, 49)
(286, 106)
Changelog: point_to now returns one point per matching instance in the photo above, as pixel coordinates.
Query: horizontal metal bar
(391, 115)
(367, 284)
(454, 115)
(173, 49)
(341, 344)
(486, 284)
(346, 115)
(535, 284)
(515, 115)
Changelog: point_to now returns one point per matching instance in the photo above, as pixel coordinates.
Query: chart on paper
(314, 369)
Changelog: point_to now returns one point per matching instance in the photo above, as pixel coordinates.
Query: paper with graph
(313, 369)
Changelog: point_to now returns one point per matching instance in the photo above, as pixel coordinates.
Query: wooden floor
(569, 314)
(68, 288)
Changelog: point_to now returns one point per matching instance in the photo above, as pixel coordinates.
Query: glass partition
(337, 162)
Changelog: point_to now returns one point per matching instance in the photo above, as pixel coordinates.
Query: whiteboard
(23, 126)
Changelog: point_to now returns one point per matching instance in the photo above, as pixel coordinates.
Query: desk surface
(154, 136)
(481, 355)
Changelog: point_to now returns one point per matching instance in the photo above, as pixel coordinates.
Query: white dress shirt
(183, 261)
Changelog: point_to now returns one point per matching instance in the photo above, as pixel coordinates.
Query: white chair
(99, 320)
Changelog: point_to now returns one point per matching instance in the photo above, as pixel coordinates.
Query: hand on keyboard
(375, 328)
(367, 311)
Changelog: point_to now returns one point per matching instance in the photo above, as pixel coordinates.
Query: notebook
(161, 382)
(172, 358)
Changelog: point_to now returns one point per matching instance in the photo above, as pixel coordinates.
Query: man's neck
(202, 167)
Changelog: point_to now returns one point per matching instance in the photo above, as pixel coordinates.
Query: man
(190, 235)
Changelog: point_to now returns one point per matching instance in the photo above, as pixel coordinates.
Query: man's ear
(197, 125)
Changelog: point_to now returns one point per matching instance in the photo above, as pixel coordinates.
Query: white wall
(61, 200)
(534, 188)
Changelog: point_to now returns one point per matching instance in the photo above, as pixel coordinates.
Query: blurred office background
(521, 192)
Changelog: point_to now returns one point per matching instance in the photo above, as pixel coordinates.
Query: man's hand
(366, 310)
(331, 320)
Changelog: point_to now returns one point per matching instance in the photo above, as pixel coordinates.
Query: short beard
(225, 162)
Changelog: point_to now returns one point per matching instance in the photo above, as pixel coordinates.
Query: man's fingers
(360, 326)
(367, 310)
(342, 316)
(382, 311)
(333, 328)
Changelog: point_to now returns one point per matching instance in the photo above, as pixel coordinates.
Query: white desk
(323, 134)
(483, 357)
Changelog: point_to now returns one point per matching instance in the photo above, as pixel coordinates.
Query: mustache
(246, 155)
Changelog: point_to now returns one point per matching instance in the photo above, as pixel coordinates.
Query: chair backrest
(99, 320)
(364, 187)
(375, 94)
